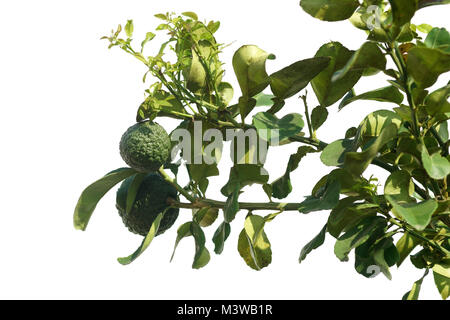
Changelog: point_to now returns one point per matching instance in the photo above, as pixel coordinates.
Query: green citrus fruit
(145, 146)
(151, 199)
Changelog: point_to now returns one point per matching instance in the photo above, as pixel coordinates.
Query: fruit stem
(179, 188)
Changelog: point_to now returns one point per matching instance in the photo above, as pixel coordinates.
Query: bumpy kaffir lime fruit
(145, 146)
(151, 199)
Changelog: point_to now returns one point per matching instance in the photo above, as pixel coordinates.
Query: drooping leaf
(220, 236)
(132, 190)
(145, 243)
(253, 244)
(290, 80)
(318, 117)
(206, 216)
(441, 272)
(313, 244)
(281, 187)
(386, 94)
(270, 128)
(202, 255)
(437, 166)
(368, 56)
(425, 65)
(183, 231)
(418, 215)
(413, 294)
(405, 245)
(357, 236)
(330, 10)
(399, 186)
(329, 92)
(232, 205)
(327, 199)
(242, 175)
(93, 193)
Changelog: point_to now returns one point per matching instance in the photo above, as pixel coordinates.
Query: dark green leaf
(145, 243)
(368, 56)
(403, 11)
(386, 94)
(231, 205)
(327, 200)
(220, 236)
(329, 92)
(133, 190)
(318, 117)
(330, 10)
(427, 3)
(313, 244)
(202, 256)
(290, 80)
(93, 193)
(183, 231)
(357, 162)
(357, 235)
(206, 216)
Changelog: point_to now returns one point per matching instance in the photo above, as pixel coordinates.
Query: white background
(65, 101)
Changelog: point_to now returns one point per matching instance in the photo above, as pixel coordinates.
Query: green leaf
(159, 102)
(313, 244)
(334, 154)
(281, 187)
(290, 80)
(424, 28)
(437, 101)
(149, 36)
(325, 200)
(231, 205)
(418, 215)
(386, 94)
(190, 14)
(133, 190)
(436, 165)
(413, 294)
(318, 117)
(438, 38)
(263, 99)
(253, 244)
(357, 162)
(226, 92)
(202, 255)
(403, 11)
(368, 56)
(427, 3)
(129, 28)
(242, 175)
(270, 128)
(145, 243)
(206, 216)
(399, 186)
(425, 65)
(441, 272)
(183, 231)
(249, 63)
(329, 92)
(220, 236)
(93, 193)
(330, 10)
(357, 236)
(377, 121)
(405, 245)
